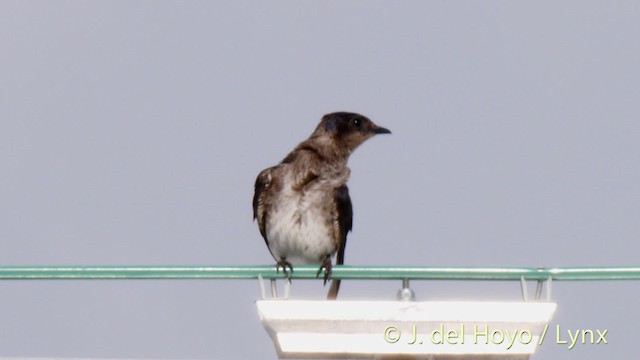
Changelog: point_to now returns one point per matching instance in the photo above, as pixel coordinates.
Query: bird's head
(348, 130)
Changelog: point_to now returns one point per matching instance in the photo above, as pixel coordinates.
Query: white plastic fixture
(429, 330)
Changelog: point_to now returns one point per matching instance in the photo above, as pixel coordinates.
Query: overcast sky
(132, 131)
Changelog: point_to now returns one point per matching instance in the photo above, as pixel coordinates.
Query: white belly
(297, 231)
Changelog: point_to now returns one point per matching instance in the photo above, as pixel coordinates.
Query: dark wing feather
(263, 182)
(345, 219)
(345, 223)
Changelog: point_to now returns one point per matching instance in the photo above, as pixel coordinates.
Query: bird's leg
(284, 264)
(326, 266)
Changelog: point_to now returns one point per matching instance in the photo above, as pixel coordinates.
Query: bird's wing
(343, 223)
(344, 219)
(263, 183)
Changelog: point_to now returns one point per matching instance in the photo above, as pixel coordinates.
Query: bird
(302, 205)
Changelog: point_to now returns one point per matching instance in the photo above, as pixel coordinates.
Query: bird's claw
(284, 264)
(326, 266)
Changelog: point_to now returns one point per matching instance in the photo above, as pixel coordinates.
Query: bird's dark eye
(357, 122)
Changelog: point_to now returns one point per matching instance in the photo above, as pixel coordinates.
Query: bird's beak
(380, 130)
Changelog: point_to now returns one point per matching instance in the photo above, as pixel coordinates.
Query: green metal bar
(111, 272)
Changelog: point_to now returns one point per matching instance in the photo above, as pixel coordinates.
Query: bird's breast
(300, 226)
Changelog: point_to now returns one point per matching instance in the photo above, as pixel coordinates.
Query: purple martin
(302, 204)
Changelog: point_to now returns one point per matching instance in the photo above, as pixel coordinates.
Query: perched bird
(302, 205)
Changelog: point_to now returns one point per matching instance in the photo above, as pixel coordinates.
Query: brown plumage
(302, 205)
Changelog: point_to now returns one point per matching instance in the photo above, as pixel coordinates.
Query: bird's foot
(284, 264)
(326, 267)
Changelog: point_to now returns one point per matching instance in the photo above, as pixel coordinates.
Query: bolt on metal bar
(346, 272)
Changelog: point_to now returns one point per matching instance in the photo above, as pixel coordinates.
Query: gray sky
(132, 132)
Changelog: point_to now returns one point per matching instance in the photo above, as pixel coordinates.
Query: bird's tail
(333, 290)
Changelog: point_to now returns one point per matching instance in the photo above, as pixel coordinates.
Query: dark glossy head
(349, 130)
